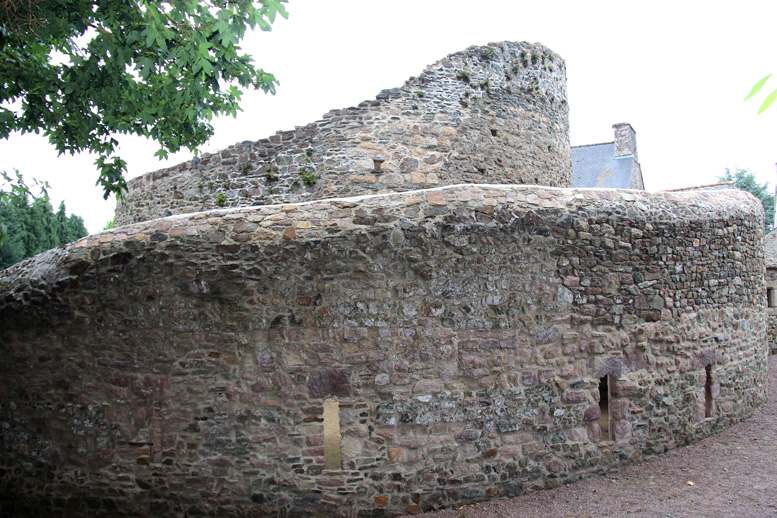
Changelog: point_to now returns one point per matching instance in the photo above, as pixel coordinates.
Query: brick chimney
(625, 140)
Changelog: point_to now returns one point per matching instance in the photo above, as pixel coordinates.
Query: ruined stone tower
(495, 114)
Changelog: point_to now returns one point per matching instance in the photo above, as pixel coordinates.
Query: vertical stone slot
(708, 391)
(604, 407)
(332, 455)
(494, 132)
(377, 163)
(771, 300)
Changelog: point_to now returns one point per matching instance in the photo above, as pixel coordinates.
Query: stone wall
(494, 114)
(458, 338)
(771, 284)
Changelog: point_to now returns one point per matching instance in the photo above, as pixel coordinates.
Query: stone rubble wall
(180, 366)
(771, 316)
(492, 114)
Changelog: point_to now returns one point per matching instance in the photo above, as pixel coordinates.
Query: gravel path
(731, 474)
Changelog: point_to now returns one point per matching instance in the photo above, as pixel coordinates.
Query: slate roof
(771, 249)
(597, 166)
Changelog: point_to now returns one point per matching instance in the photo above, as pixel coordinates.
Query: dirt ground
(732, 474)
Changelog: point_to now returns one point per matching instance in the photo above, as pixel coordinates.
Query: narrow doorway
(604, 407)
(708, 391)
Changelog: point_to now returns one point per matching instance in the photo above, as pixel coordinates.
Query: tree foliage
(83, 72)
(745, 180)
(32, 228)
(768, 100)
(14, 189)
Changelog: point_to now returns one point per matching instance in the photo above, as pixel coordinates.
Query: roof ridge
(592, 145)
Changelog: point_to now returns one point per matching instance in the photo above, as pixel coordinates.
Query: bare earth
(732, 474)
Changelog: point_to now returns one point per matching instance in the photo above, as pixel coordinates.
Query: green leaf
(160, 69)
(757, 87)
(768, 101)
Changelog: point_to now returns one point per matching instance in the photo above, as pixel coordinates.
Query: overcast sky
(677, 71)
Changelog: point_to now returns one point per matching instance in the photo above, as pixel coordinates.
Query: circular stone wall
(376, 356)
(493, 114)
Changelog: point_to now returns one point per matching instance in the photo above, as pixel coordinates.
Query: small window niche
(604, 407)
(377, 163)
(771, 297)
(333, 458)
(709, 408)
(494, 132)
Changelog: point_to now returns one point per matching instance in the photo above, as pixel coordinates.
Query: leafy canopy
(745, 180)
(83, 72)
(769, 100)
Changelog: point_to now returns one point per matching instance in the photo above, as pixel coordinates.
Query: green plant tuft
(464, 75)
(308, 176)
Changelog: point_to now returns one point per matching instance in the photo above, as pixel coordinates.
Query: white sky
(676, 70)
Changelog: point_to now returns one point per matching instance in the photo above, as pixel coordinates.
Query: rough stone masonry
(376, 355)
(495, 114)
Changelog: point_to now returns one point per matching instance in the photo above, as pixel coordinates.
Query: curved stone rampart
(458, 338)
(493, 114)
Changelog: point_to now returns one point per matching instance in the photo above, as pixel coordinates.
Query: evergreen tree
(32, 228)
(12, 248)
(745, 180)
(76, 228)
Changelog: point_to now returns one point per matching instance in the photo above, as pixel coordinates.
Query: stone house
(610, 164)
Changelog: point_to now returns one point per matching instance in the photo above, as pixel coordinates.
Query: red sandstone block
(571, 281)
(510, 451)
(592, 413)
(624, 389)
(574, 396)
(619, 408)
(435, 198)
(467, 435)
(330, 482)
(314, 440)
(621, 429)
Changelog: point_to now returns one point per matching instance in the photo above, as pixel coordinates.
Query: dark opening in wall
(708, 391)
(771, 300)
(332, 455)
(604, 407)
(494, 132)
(377, 163)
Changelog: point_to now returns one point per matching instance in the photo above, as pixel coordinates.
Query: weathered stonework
(180, 366)
(771, 283)
(495, 114)
(770, 241)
